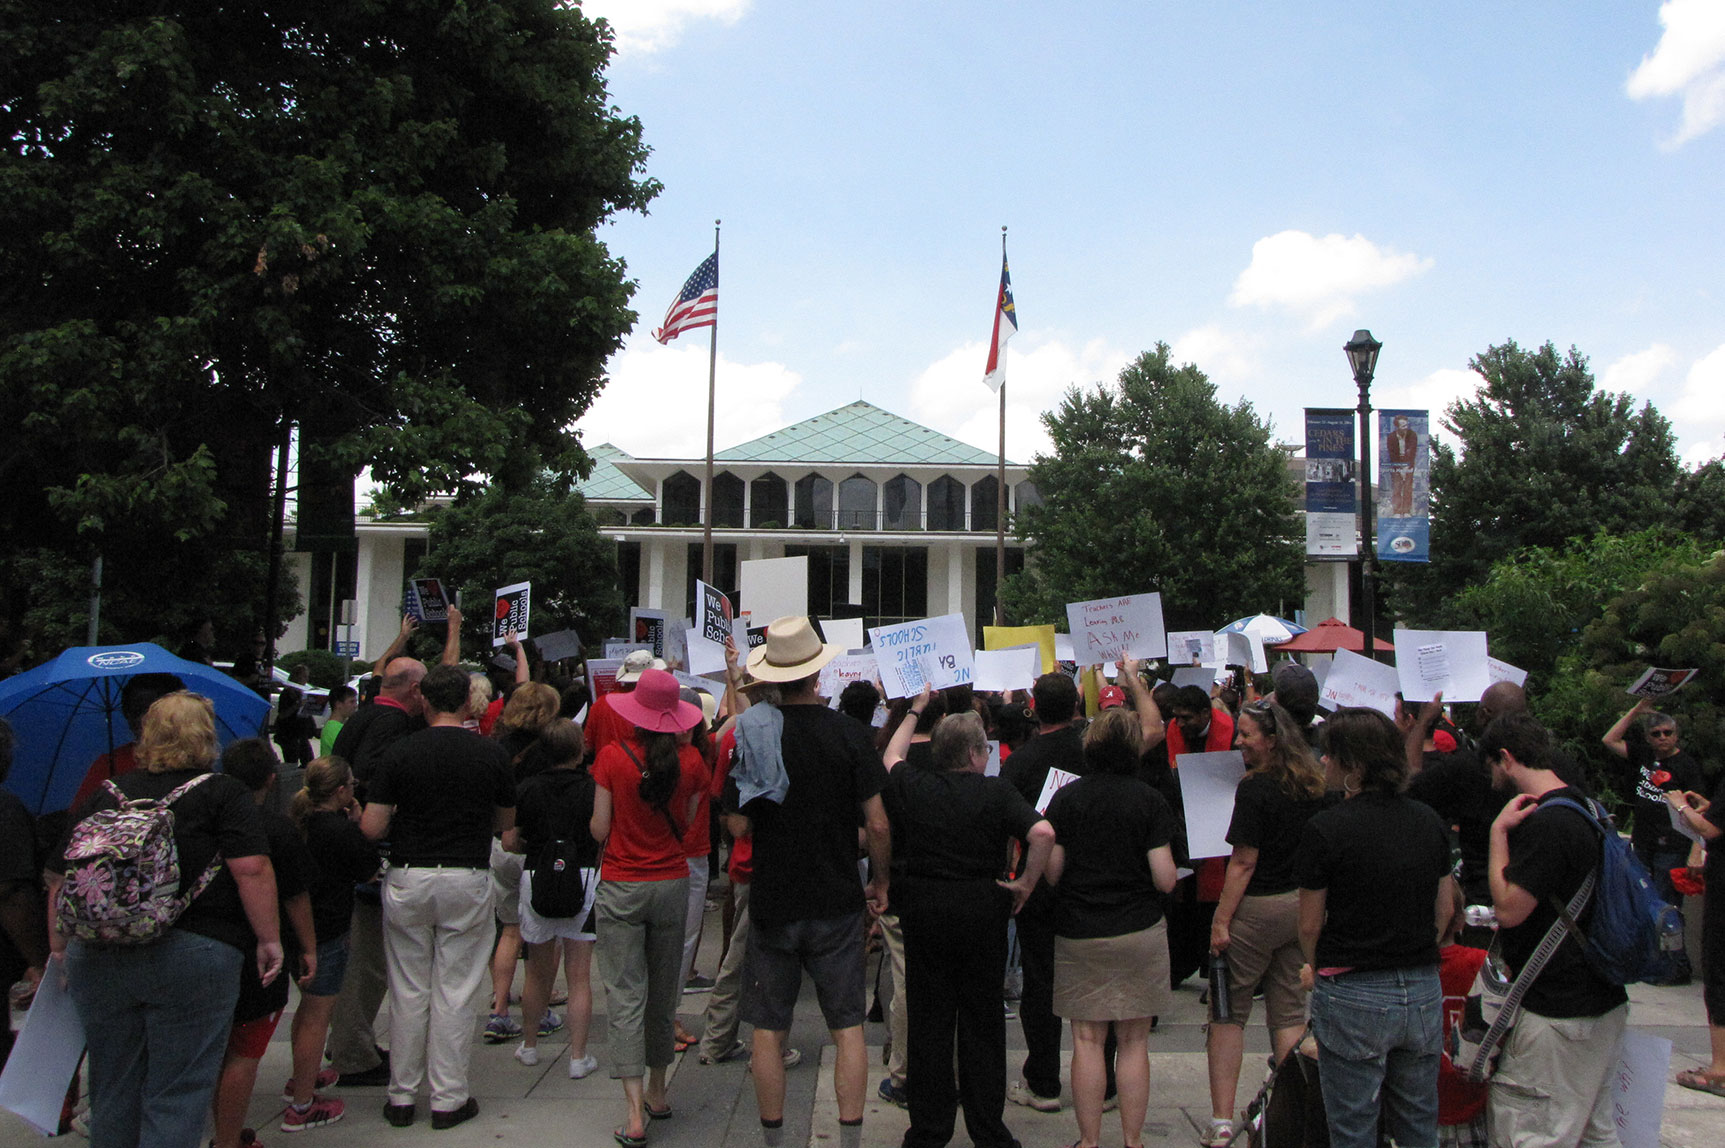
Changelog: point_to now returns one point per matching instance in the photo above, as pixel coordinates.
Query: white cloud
(1700, 406)
(1637, 372)
(1435, 393)
(1318, 277)
(650, 25)
(1689, 61)
(655, 405)
(1224, 356)
(950, 395)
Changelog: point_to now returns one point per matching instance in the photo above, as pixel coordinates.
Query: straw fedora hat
(654, 704)
(792, 651)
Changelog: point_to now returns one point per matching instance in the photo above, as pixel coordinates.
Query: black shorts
(830, 948)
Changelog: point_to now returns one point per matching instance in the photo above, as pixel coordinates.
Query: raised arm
(1615, 737)
(1149, 717)
(452, 640)
(408, 625)
(898, 747)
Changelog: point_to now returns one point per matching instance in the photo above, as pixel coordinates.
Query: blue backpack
(1632, 934)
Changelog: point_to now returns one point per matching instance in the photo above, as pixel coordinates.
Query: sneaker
(501, 1027)
(893, 1093)
(326, 1078)
(321, 1111)
(793, 1057)
(1019, 1093)
(549, 1023)
(698, 984)
(1221, 1134)
(582, 1067)
(560, 997)
(527, 1056)
(737, 1049)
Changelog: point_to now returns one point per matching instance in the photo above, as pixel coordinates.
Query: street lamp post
(1362, 352)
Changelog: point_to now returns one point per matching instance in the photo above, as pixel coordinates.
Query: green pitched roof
(862, 434)
(607, 483)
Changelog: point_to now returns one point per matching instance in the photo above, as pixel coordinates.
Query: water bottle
(1670, 930)
(1480, 916)
(1221, 1009)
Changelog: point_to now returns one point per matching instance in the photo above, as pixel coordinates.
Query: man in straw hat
(806, 903)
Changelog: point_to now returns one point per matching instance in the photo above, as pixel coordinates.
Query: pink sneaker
(323, 1110)
(326, 1078)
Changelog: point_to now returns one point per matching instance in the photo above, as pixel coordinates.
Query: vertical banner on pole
(1331, 500)
(1404, 486)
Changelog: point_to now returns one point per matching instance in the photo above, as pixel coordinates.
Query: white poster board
(1501, 671)
(620, 650)
(1058, 779)
(1356, 680)
(705, 656)
(1638, 1088)
(45, 1058)
(1451, 662)
(1201, 676)
(1207, 783)
(999, 671)
(845, 633)
(1239, 650)
(770, 588)
(1109, 629)
(1188, 646)
(1063, 648)
(934, 650)
(842, 671)
(510, 611)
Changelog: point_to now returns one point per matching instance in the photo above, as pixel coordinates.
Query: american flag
(696, 305)
(1005, 327)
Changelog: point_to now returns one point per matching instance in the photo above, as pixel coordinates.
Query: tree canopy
(1156, 485)
(374, 219)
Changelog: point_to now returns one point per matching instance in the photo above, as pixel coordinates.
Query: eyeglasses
(1666, 732)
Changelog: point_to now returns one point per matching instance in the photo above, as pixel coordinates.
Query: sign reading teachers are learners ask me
(935, 651)
(1110, 629)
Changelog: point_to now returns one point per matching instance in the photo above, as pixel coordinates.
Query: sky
(1247, 182)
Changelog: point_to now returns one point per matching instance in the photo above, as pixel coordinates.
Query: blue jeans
(1380, 1034)
(157, 1019)
(1659, 866)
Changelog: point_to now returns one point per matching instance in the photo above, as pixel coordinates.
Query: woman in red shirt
(648, 788)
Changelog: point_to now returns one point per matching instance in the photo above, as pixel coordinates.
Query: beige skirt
(1112, 978)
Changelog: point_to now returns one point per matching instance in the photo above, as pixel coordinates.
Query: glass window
(984, 514)
(829, 576)
(769, 505)
(1025, 495)
(895, 583)
(987, 580)
(629, 571)
(727, 500)
(682, 500)
(857, 503)
(642, 517)
(724, 572)
(946, 504)
(814, 503)
(903, 503)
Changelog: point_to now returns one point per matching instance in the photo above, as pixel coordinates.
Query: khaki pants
(437, 943)
(1553, 1086)
(897, 1009)
(640, 927)
(721, 1031)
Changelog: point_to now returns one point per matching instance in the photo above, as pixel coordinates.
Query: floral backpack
(122, 884)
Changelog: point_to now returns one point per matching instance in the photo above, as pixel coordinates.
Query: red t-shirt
(1459, 1099)
(1211, 871)
(741, 865)
(99, 772)
(642, 846)
(604, 727)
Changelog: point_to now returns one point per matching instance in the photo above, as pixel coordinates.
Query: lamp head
(1362, 352)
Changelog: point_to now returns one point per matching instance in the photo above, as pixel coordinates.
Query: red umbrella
(1327, 637)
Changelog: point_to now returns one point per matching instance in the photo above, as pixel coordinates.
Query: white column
(854, 592)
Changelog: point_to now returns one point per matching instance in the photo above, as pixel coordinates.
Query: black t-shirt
(1550, 855)
(952, 825)
(18, 865)
(806, 848)
(1027, 769)
(367, 735)
(446, 784)
(1271, 820)
(341, 859)
(292, 865)
(1715, 863)
(1651, 831)
(1107, 824)
(1458, 788)
(527, 752)
(1379, 858)
(217, 817)
(557, 804)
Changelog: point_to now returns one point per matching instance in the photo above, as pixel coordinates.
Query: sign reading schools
(1110, 629)
(510, 615)
(935, 651)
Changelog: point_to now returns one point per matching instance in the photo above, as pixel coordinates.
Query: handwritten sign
(1001, 670)
(1501, 671)
(842, 671)
(617, 651)
(1012, 637)
(510, 611)
(935, 651)
(1188, 646)
(1207, 784)
(1109, 629)
(1355, 680)
(1058, 779)
(1638, 1088)
(1452, 662)
(1656, 683)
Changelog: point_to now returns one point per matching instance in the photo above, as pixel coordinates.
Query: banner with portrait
(1404, 486)
(1331, 504)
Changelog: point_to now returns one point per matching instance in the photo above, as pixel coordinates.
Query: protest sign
(1011, 637)
(1207, 782)
(602, 675)
(1500, 671)
(647, 627)
(1058, 779)
(1188, 646)
(1638, 1088)
(1239, 650)
(697, 682)
(1201, 676)
(992, 769)
(426, 600)
(1451, 662)
(1678, 822)
(557, 646)
(774, 587)
(713, 612)
(846, 633)
(999, 671)
(1656, 683)
(1063, 649)
(510, 612)
(842, 671)
(705, 657)
(1355, 680)
(45, 1058)
(619, 650)
(933, 650)
(1109, 629)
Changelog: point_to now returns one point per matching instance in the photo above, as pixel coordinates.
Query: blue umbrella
(66, 713)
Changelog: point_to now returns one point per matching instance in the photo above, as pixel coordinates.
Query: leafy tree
(1543, 457)
(1535, 603)
(374, 219)
(1700, 505)
(1156, 485)
(540, 532)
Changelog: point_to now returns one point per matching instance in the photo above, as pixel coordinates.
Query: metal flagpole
(1000, 491)
(712, 375)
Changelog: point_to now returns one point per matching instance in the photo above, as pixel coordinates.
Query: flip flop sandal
(664, 1113)
(627, 1141)
(1701, 1081)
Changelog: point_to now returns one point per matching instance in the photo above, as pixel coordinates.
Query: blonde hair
(179, 732)
(530, 708)
(324, 777)
(478, 693)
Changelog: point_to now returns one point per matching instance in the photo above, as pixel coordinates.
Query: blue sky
(1248, 182)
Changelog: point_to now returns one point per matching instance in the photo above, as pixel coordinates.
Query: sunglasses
(1667, 732)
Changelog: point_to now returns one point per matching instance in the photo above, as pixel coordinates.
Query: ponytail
(323, 778)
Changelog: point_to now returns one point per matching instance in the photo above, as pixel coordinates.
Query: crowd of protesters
(454, 821)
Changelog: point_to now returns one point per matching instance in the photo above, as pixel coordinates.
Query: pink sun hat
(654, 704)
